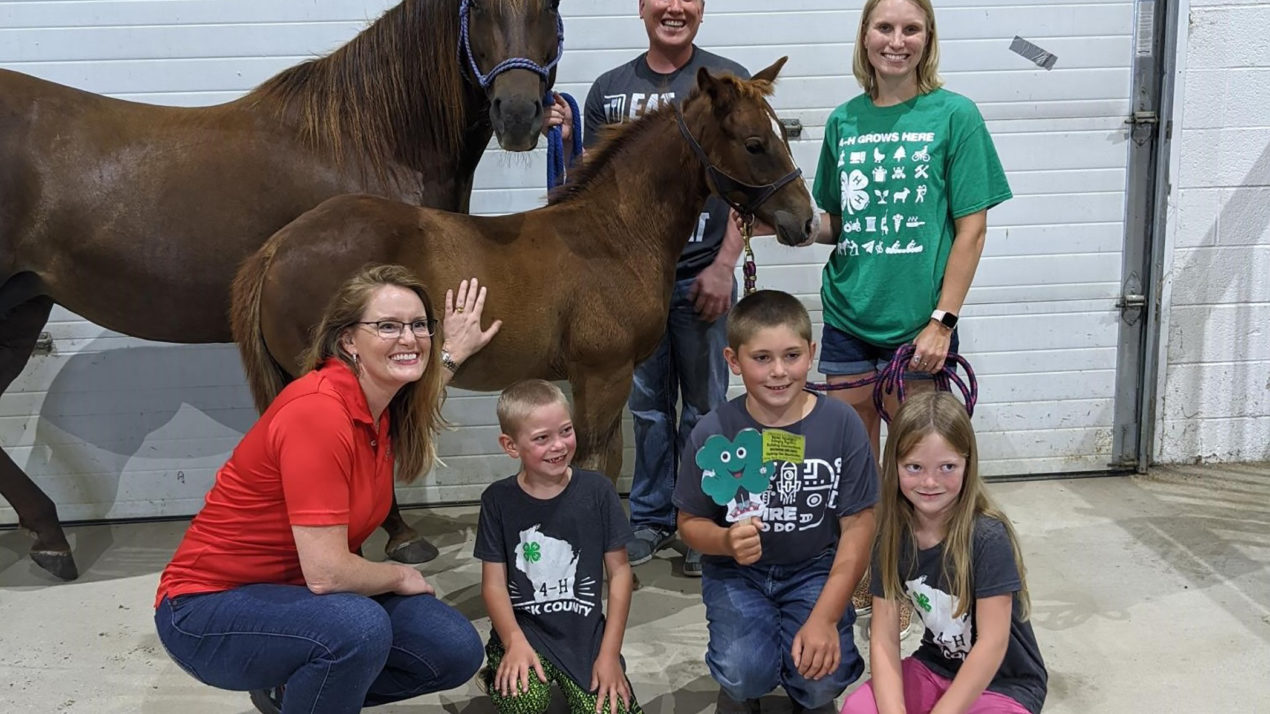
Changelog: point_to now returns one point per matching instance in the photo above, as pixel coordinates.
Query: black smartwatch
(945, 318)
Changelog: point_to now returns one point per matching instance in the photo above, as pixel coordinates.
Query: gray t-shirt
(801, 500)
(624, 94)
(554, 553)
(947, 641)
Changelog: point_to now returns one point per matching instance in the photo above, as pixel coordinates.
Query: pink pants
(922, 689)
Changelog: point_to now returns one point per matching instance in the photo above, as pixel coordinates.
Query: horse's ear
(722, 92)
(769, 74)
(707, 83)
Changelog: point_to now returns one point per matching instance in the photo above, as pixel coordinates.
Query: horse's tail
(265, 376)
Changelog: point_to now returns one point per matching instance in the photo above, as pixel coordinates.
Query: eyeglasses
(391, 329)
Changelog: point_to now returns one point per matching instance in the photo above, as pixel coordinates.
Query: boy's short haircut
(518, 401)
(766, 308)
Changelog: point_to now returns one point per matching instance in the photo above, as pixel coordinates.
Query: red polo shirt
(315, 458)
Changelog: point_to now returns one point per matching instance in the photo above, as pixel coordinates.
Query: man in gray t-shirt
(688, 366)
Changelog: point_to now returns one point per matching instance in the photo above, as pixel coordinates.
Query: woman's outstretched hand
(462, 326)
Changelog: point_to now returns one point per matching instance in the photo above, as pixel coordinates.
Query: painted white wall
(1215, 400)
(113, 427)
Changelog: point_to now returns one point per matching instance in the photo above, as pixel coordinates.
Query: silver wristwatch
(447, 361)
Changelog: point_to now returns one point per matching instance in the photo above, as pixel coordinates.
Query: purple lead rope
(890, 380)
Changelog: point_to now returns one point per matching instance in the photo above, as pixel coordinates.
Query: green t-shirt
(899, 176)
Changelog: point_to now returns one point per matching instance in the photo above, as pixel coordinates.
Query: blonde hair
(939, 413)
(763, 309)
(927, 68)
(520, 400)
(415, 410)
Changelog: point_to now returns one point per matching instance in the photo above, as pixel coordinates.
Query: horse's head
(748, 160)
(512, 47)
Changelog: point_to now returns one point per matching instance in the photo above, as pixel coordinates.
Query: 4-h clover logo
(923, 601)
(729, 467)
(532, 552)
(855, 191)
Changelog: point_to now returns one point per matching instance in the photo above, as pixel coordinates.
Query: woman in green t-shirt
(907, 174)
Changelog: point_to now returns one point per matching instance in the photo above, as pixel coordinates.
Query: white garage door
(113, 427)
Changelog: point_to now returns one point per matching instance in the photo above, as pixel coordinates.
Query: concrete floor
(1150, 595)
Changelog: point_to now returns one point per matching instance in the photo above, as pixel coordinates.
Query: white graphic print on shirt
(813, 484)
(882, 188)
(551, 565)
(936, 608)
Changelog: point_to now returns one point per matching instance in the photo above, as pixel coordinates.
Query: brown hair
(927, 68)
(520, 400)
(938, 413)
(766, 308)
(415, 411)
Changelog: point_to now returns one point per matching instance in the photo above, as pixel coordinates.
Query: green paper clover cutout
(731, 466)
(532, 551)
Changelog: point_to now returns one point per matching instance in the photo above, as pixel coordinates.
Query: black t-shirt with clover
(947, 639)
(798, 499)
(554, 552)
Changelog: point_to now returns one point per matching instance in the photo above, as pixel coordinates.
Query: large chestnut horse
(582, 285)
(137, 216)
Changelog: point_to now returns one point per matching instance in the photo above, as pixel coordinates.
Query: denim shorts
(842, 353)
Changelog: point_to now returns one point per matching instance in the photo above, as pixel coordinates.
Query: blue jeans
(335, 653)
(687, 366)
(753, 613)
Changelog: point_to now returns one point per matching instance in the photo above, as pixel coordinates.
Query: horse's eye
(754, 146)
(553, 6)
(476, 6)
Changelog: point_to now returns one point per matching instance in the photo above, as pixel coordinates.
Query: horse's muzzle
(795, 231)
(517, 122)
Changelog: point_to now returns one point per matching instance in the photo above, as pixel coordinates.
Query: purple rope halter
(891, 380)
(486, 79)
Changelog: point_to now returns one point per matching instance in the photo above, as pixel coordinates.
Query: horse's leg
(598, 398)
(405, 545)
(19, 329)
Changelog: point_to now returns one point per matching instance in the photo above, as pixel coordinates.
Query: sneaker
(692, 563)
(727, 705)
(267, 701)
(648, 540)
(862, 598)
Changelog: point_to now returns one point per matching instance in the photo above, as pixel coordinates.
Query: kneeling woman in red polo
(267, 592)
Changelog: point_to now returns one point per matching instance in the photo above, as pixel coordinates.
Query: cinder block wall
(1216, 396)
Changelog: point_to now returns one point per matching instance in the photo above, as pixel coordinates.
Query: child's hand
(512, 676)
(816, 649)
(743, 541)
(609, 682)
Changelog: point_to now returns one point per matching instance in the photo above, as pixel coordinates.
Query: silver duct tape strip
(1032, 53)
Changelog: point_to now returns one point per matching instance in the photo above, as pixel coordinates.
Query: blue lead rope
(556, 165)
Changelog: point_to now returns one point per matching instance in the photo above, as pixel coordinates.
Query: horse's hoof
(414, 552)
(60, 565)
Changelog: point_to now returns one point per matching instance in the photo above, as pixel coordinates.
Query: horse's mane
(394, 91)
(617, 137)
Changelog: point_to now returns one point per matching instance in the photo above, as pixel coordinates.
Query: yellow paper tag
(781, 445)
